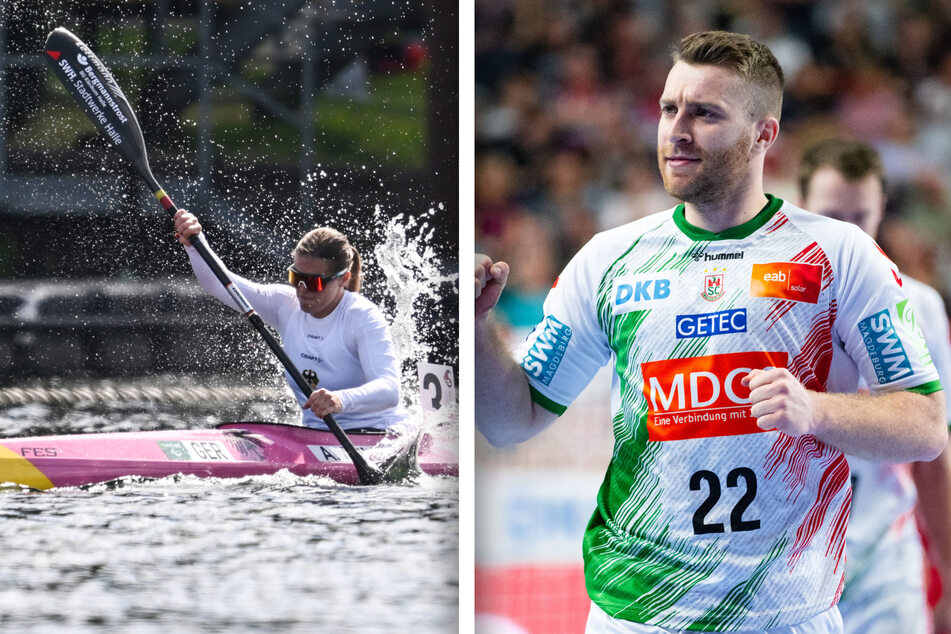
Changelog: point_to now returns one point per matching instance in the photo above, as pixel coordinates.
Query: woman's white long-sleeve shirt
(350, 350)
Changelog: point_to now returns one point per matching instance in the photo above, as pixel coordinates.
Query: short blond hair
(749, 58)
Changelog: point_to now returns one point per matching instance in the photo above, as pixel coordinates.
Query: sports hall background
(566, 114)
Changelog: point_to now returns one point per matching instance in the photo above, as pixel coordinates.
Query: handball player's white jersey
(703, 520)
(348, 352)
(884, 583)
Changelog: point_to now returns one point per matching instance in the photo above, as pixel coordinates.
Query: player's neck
(726, 212)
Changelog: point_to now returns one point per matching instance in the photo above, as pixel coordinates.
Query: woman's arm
(262, 297)
(377, 356)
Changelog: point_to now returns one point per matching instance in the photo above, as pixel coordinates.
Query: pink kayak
(230, 450)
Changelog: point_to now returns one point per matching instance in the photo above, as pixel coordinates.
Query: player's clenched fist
(490, 278)
(779, 401)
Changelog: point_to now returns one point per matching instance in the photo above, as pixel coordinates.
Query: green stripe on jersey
(927, 388)
(730, 613)
(633, 579)
(547, 403)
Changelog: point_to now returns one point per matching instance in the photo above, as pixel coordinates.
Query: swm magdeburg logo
(543, 358)
(884, 346)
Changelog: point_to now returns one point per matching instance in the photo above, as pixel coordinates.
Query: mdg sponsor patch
(543, 358)
(702, 397)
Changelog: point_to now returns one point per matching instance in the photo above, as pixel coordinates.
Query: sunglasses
(313, 283)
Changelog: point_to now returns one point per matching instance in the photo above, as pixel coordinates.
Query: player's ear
(767, 129)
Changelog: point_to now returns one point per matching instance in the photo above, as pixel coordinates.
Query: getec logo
(701, 397)
(710, 324)
(543, 358)
(638, 292)
(884, 347)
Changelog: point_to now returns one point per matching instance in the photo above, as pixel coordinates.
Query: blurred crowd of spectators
(567, 105)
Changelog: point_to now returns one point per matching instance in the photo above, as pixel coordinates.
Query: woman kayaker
(328, 329)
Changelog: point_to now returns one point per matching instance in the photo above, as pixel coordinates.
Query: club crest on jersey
(640, 291)
(884, 346)
(713, 288)
(702, 397)
(543, 358)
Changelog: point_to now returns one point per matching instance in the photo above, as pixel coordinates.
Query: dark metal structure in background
(50, 206)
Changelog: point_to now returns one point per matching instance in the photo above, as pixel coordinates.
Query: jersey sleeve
(380, 365)
(874, 324)
(567, 348)
(932, 317)
(266, 299)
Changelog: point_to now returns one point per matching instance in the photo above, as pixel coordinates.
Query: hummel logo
(703, 255)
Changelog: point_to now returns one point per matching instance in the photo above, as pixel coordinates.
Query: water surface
(185, 554)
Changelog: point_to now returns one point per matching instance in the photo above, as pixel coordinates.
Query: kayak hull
(231, 450)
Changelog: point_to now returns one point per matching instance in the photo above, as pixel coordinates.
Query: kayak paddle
(92, 86)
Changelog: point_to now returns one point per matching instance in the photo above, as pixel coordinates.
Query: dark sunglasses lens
(313, 283)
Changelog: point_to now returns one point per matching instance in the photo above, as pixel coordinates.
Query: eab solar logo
(543, 358)
(884, 347)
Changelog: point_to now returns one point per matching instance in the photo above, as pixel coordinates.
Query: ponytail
(356, 273)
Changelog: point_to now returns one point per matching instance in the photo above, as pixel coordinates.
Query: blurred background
(264, 118)
(566, 114)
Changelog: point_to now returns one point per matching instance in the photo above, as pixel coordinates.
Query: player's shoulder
(622, 236)
(843, 243)
(823, 229)
(356, 304)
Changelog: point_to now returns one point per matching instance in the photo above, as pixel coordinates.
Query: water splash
(416, 285)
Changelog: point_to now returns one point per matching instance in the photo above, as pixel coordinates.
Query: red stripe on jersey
(811, 366)
(838, 591)
(837, 531)
(894, 266)
(796, 454)
(834, 478)
(778, 221)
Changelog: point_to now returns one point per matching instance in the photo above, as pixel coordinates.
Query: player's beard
(719, 173)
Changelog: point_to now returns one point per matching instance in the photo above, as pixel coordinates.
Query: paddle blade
(95, 90)
(403, 466)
